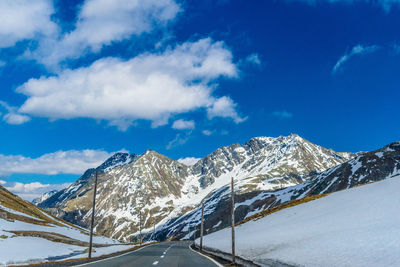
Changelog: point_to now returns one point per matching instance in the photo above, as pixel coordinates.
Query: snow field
(354, 227)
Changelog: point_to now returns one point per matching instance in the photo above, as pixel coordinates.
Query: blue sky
(83, 79)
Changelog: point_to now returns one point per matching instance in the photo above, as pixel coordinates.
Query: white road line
(211, 259)
(84, 264)
(155, 263)
(162, 256)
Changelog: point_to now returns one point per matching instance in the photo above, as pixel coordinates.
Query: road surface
(163, 254)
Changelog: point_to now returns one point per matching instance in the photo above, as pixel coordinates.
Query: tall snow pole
(92, 222)
(202, 226)
(233, 220)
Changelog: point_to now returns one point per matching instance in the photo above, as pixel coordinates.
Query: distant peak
(295, 136)
(150, 152)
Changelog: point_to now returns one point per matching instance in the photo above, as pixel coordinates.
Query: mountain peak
(118, 159)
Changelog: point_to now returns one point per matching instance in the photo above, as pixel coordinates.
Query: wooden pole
(92, 222)
(233, 220)
(202, 226)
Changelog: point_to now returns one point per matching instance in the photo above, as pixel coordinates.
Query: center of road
(169, 253)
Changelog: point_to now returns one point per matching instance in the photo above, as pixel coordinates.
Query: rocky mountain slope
(29, 235)
(364, 168)
(43, 197)
(152, 189)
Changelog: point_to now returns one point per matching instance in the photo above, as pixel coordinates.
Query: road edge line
(211, 259)
(84, 264)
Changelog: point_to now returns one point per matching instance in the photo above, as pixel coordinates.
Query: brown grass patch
(289, 204)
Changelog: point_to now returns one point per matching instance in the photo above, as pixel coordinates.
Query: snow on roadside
(354, 227)
(24, 250)
(18, 250)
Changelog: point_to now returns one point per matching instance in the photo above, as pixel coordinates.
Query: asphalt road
(163, 254)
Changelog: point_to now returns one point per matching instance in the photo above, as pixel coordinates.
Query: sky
(83, 79)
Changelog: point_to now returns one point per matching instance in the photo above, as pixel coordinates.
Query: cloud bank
(30, 191)
(149, 86)
(25, 19)
(103, 22)
(60, 162)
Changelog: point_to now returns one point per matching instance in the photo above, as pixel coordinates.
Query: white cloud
(16, 119)
(71, 162)
(177, 141)
(32, 190)
(25, 19)
(20, 187)
(282, 114)
(189, 161)
(254, 59)
(149, 86)
(385, 4)
(102, 22)
(356, 50)
(182, 124)
(224, 107)
(13, 117)
(207, 132)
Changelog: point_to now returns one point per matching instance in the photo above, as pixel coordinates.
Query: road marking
(162, 256)
(84, 264)
(155, 263)
(211, 259)
(164, 252)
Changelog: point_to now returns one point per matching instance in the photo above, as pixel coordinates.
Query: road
(163, 254)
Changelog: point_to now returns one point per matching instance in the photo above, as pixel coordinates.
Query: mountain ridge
(158, 189)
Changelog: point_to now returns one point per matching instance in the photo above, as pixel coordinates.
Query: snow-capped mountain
(43, 197)
(366, 167)
(159, 189)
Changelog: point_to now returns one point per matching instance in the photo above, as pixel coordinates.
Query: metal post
(140, 227)
(233, 221)
(92, 222)
(154, 229)
(194, 235)
(202, 226)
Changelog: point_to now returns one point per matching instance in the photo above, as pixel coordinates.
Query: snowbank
(355, 227)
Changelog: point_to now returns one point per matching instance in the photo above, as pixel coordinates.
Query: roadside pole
(92, 222)
(154, 229)
(194, 235)
(202, 226)
(140, 228)
(233, 220)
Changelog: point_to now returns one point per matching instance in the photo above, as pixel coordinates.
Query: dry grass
(11, 201)
(55, 237)
(280, 207)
